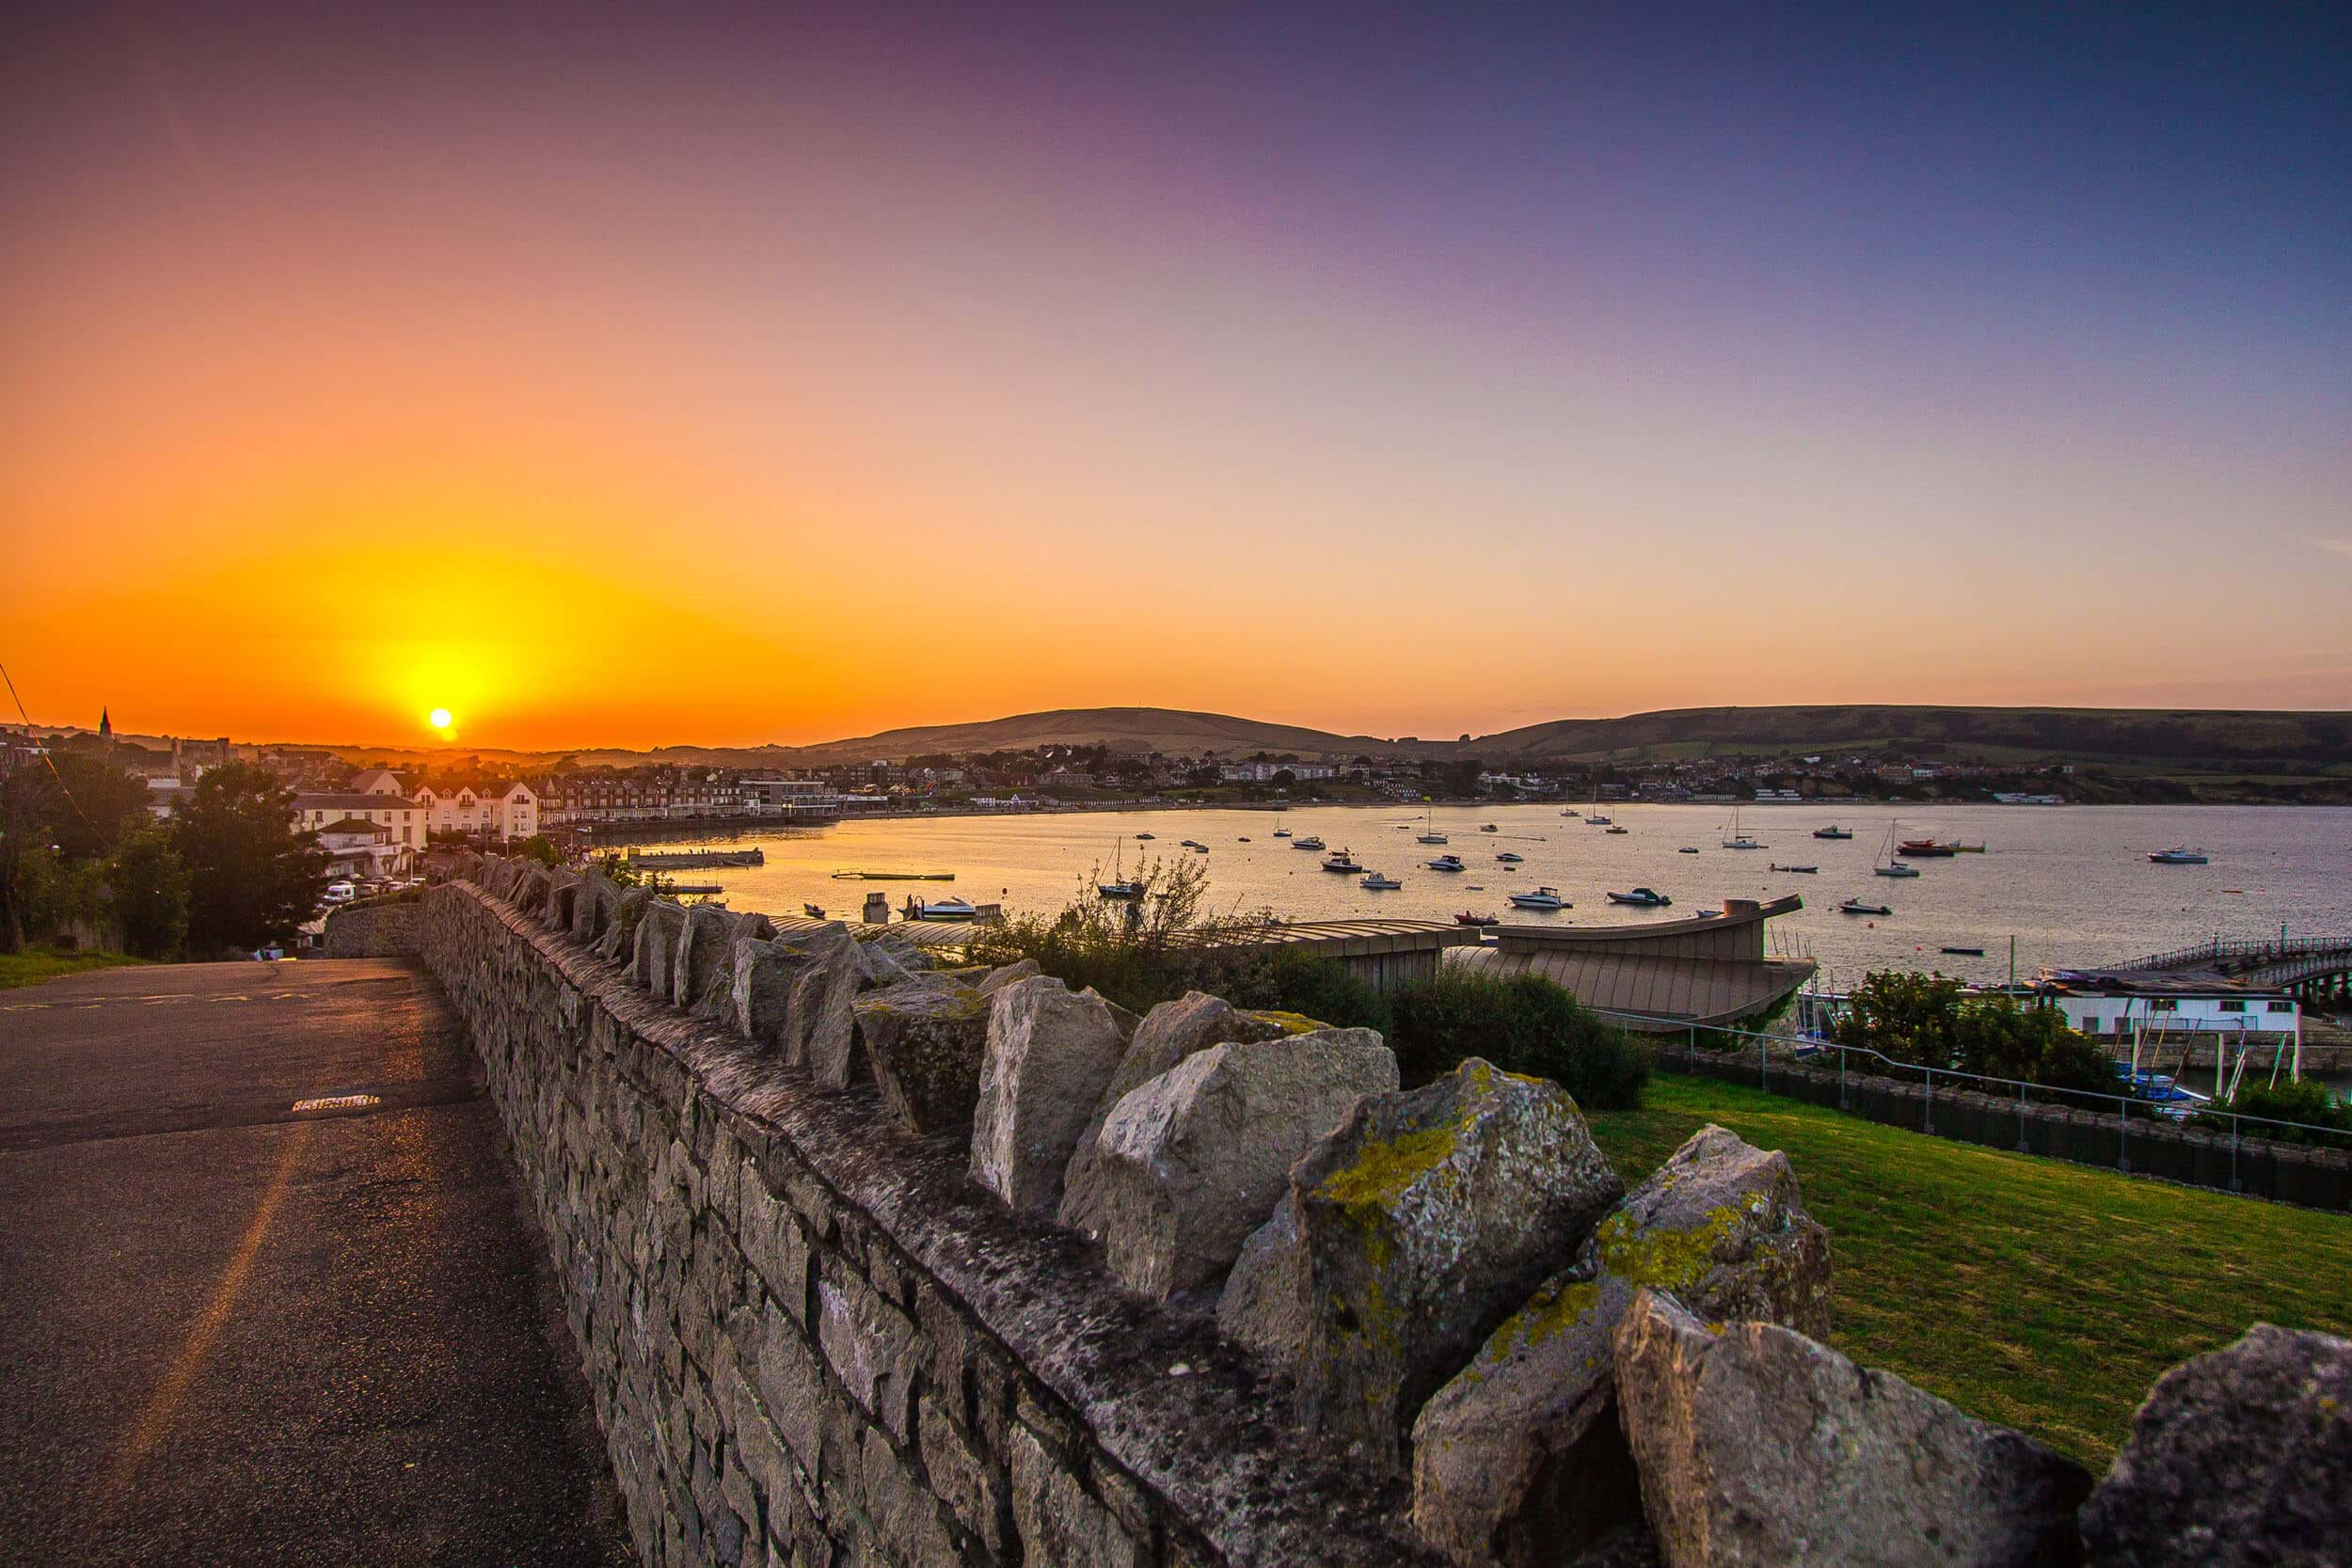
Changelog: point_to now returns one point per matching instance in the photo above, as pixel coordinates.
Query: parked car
(339, 893)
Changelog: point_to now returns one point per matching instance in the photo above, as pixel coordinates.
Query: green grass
(36, 964)
(2042, 1295)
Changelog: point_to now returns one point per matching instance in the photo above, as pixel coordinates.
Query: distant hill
(1122, 729)
(2188, 737)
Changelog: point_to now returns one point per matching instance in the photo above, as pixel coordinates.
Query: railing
(2258, 949)
(2125, 1108)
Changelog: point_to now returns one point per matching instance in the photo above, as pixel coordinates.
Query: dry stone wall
(843, 1237)
(812, 1339)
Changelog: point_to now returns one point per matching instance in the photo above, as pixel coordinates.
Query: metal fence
(1854, 1063)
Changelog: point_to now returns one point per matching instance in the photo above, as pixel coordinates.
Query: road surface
(236, 1333)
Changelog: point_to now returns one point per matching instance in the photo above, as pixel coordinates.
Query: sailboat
(1429, 834)
(1120, 886)
(1887, 865)
(1737, 839)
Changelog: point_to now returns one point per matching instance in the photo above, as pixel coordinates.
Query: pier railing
(2258, 949)
(2291, 1160)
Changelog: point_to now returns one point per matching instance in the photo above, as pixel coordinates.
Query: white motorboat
(1379, 882)
(1447, 862)
(1510, 857)
(1340, 860)
(1542, 899)
(942, 908)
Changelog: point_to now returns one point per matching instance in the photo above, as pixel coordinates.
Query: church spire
(105, 725)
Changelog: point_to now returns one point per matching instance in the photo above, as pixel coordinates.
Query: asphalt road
(232, 1333)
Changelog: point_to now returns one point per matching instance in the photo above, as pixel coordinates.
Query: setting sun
(440, 719)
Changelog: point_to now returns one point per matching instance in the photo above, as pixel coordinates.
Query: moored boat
(1510, 857)
(1641, 898)
(1446, 863)
(1833, 831)
(1855, 906)
(1800, 870)
(1895, 868)
(1542, 899)
(1378, 881)
(1926, 849)
(940, 909)
(2179, 854)
(1310, 842)
(1342, 860)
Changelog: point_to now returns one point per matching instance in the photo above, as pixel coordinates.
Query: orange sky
(609, 402)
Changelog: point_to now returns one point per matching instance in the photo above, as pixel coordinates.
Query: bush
(2304, 1102)
(1286, 979)
(1523, 1023)
(1930, 1021)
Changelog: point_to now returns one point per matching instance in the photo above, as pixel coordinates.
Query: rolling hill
(2186, 736)
(2248, 741)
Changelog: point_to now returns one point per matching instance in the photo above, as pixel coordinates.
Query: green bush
(2304, 1102)
(1930, 1021)
(1523, 1023)
(1288, 980)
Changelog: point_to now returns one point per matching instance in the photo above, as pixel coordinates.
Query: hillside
(2250, 743)
(1122, 729)
(2181, 736)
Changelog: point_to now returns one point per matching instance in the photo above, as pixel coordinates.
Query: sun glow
(442, 720)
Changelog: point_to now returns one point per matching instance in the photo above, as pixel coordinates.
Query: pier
(2318, 969)
(684, 859)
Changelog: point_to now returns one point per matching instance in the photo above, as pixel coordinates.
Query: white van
(339, 893)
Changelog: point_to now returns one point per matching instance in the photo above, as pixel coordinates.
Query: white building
(357, 847)
(405, 821)
(500, 811)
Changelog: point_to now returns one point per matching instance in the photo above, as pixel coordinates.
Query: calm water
(2071, 883)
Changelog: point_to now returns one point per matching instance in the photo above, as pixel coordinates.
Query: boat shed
(1662, 975)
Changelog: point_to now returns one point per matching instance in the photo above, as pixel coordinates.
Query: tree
(24, 836)
(150, 887)
(1904, 1017)
(536, 848)
(252, 878)
(2000, 1038)
(90, 802)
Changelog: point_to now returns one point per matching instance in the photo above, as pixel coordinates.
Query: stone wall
(2299, 1174)
(808, 1333)
(387, 928)
(870, 1261)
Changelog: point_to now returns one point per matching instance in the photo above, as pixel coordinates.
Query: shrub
(2304, 1102)
(1293, 981)
(1930, 1021)
(1523, 1023)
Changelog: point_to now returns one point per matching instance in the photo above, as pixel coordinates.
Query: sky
(724, 375)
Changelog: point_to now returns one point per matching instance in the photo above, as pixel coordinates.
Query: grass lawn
(2042, 1295)
(36, 964)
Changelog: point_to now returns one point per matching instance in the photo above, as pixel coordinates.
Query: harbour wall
(2308, 1177)
(810, 1337)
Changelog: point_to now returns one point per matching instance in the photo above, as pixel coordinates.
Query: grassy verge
(2042, 1295)
(36, 964)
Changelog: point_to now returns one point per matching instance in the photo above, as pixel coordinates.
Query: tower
(105, 725)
